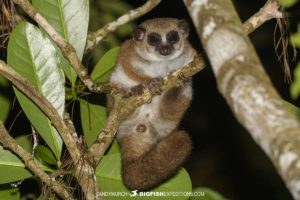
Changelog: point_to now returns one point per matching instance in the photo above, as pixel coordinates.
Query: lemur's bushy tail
(160, 162)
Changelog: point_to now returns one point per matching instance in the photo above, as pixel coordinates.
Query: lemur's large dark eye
(154, 39)
(172, 37)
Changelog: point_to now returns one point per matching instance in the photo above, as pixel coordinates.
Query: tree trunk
(246, 87)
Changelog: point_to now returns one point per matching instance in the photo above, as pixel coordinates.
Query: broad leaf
(293, 108)
(24, 142)
(92, 120)
(32, 55)
(7, 192)
(9, 162)
(287, 3)
(295, 86)
(105, 66)
(114, 148)
(45, 155)
(70, 19)
(5, 102)
(295, 37)
(109, 177)
(12, 168)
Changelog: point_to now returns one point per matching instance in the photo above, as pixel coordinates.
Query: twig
(97, 36)
(269, 11)
(35, 140)
(9, 142)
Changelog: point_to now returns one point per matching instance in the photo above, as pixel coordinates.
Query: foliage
(105, 65)
(4, 100)
(288, 3)
(295, 40)
(34, 55)
(9, 193)
(70, 20)
(295, 87)
(92, 120)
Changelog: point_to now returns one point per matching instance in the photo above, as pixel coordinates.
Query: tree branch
(10, 143)
(97, 36)
(84, 172)
(247, 88)
(269, 11)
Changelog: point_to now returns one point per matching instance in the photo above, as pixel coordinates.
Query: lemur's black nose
(165, 50)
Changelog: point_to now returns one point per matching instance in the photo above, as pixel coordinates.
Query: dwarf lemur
(152, 147)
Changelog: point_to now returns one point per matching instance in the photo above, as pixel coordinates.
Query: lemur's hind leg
(175, 102)
(144, 171)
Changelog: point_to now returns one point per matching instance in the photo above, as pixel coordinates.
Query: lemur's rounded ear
(184, 26)
(138, 33)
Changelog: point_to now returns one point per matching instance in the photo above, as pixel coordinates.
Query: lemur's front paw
(136, 90)
(154, 85)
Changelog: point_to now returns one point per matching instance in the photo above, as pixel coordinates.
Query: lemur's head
(161, 38)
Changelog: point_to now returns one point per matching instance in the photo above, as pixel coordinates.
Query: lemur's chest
(149, 111)
(159, 68)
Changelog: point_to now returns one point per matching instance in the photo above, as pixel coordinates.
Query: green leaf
(295, 86)
(293, 108)
(92, 120)
(24, 141)
(105, 66)
(5, 102)
(287, 3)
(206, 194)
(33, 56)
(114, 148)
(11, 167)
(45, 155)
(109, 178)
(295, 37)
(70, 19)
(7, 192)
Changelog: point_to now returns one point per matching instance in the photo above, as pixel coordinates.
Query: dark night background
(225, 158)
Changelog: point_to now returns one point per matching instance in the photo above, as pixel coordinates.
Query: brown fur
(126, 56)
(174, 104)
(144, 171)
